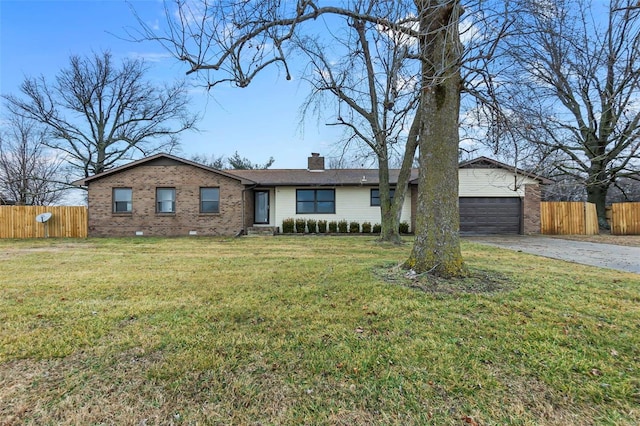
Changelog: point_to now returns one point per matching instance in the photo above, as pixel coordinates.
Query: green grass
(308, 330)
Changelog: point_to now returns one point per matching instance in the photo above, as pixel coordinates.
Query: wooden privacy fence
(20, 222)
(567, 218)
(625, 219)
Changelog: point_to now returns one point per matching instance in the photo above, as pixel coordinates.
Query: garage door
(486, 215)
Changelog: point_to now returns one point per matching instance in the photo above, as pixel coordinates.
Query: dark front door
(261, 207)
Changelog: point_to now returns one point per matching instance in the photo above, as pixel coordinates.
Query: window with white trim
(165, 200)
(209, 200)
(122, 200)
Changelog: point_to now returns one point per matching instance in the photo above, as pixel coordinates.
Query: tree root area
(477, 281)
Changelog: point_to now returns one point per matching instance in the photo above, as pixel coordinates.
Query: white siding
(352, 204)
(492, 183)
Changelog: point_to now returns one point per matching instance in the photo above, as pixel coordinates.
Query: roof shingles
(301, 177)
(330, 177)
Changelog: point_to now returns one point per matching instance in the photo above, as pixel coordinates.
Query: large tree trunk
(391, 211)
(389, 216)
(597, 194)
(598, 184)
(437, 244)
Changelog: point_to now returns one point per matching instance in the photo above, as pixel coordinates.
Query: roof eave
(85, 181)
(498, 164)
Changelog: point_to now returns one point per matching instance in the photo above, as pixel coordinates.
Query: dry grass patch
(308, 331)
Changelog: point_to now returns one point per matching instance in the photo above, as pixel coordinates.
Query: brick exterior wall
(187, 181)
(531, 209)
(248, 209)
(315, 162)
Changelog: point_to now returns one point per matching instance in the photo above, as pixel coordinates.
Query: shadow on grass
(477, 281)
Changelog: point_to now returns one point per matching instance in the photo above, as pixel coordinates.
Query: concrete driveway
(609, 256)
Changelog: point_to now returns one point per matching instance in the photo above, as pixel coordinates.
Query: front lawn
(309, 330)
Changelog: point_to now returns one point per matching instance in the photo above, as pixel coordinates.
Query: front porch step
(262, 230)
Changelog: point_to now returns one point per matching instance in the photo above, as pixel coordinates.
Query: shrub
(300, 224)
(322, 226)
(366, 227)
(354, 227)
(288, 226)
(377, 228)
(333, 226)
(404, 228)
(311, 225)
(343, 226)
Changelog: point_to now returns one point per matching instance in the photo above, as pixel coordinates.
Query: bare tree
(576, 88)
(437, 245)
(100, 114)
(29, 175)
(625, 190)
(232, 42)
(369, 74)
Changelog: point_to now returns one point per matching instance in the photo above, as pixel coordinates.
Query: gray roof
(163, 159)
(343, 177)
(328, 177)
(301, 177)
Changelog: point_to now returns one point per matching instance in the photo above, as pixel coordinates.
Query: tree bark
(437, 243)
(390, 218)
(597, 194)
(391, 215)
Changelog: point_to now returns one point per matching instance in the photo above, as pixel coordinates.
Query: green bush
(354, 227)
(333, 226)
(322, 226)
(366, 227)
(311, 225)
(404, 228)
(300, 224)
(343, 226)
(377, 228)
(288, 226)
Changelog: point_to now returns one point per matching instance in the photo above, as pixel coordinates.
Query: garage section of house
(496, 198)
(490, 215)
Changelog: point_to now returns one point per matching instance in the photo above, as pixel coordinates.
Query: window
(122, 200)
(165, 200)
(315, 201)
(375, 196)
(209, 200)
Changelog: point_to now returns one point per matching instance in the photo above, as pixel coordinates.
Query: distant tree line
(235, 161)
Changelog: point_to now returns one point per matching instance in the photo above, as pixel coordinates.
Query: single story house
(169, 196)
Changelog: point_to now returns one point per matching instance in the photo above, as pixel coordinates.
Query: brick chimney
(316, 163)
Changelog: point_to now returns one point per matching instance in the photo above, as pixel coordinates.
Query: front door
(261, 207)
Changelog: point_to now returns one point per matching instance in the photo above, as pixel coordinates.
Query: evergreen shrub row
(313, 226)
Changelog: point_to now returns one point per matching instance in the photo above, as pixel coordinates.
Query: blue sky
(263, 120)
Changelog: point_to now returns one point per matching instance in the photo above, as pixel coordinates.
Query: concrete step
(262, 230)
